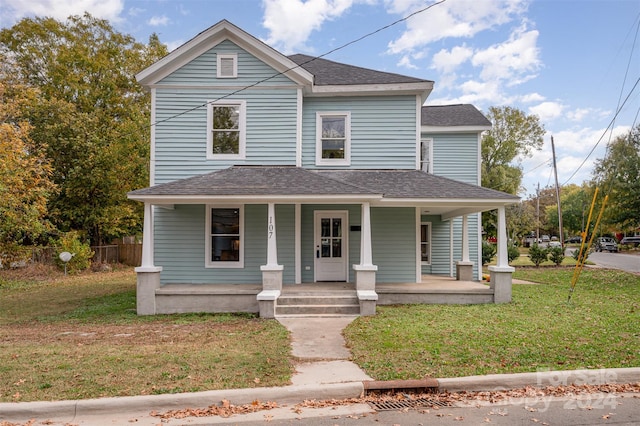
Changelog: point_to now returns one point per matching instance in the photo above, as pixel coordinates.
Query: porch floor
(430, 283)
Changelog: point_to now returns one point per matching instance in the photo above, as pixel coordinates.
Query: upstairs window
(333, 138)
(227, 65)
(426, 155)
(226, 123)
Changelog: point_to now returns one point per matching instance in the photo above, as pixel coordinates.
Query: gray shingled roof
(453, 115)
(327, 72)
(255, 180)
(414, 184)
(283, 180)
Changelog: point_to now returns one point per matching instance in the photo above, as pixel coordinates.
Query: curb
(70, 410)
(497, 382)
(147, 403)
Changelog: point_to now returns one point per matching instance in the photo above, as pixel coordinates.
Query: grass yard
(539, 330)
(79, 337)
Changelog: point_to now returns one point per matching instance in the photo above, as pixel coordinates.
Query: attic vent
(227, 65)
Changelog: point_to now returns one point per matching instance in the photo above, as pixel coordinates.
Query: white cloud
(547, 110)
(447, 61)
(291, 22)
(157, 21)
(135, 11)
(14, 10)
(531, 97)
(405, 62)
(461, 18)
(514, 60)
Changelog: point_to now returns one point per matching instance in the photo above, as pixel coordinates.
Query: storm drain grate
(407, 403)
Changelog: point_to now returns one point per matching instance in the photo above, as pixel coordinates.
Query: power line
(605, 132)
(301, 64)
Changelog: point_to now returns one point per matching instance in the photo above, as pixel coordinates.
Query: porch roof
(294, 184)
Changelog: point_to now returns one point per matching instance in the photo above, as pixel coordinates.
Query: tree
(618, 175)
(90, 118)
(25, 184)
(513, 136)
(575, 208)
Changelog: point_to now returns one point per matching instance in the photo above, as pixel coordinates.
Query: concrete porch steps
(314, 305)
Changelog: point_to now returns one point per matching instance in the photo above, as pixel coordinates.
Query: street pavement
(324, 372)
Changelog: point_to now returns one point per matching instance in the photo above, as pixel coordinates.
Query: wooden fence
(127, 254)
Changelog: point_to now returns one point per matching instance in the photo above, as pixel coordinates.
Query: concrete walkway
(318, 345)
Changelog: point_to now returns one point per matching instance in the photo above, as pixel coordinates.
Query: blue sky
(571, 62)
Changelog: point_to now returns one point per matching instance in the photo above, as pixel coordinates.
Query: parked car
(545, 239)
(632, 241)
(606, 243)
(573, 240)
(554, 244)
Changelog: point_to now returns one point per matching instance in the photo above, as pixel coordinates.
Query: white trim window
(226, 129)
(425, 243)
(224, 245)
(333, 138)
(227, 65)
(426, 155)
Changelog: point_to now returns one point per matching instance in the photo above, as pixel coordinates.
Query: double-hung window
(224, 244)
(425, 243)
(333, 138)
(226, 129)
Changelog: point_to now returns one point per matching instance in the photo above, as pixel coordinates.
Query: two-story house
(271, 173)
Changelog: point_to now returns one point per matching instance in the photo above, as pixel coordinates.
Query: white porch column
(500, 275)
(271, 272)
(365, 272)
(147, 274)
(464, 267)
(465, 238)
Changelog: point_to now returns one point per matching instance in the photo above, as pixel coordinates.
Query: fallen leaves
(226, 409)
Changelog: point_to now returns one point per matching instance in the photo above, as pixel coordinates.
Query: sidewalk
(323, 372)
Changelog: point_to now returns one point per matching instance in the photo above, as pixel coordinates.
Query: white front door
(331, 245)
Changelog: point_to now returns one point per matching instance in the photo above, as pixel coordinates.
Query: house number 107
(270, 228)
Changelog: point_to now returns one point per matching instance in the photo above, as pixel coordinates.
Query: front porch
(317, 299)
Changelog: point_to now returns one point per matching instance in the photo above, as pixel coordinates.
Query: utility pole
(555, 171)
(538, 214)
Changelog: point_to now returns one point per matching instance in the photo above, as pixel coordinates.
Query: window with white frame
(426, 155)
(226, 124)
(227, 65)
(333, 138)
(425, 243)
(224, 244)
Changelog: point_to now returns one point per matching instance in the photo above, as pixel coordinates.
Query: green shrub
(513, 253)
(576, 252)
(537, 254)
(556, 255)
(488, 251)
(81, 252)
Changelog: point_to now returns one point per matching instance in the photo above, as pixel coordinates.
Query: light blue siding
(441, 244)
(383, 130)
(180, 245)
(181, 140)
(203, 70)
(455, 156)
(393, 235)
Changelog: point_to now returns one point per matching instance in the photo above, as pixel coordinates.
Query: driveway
(622, 261)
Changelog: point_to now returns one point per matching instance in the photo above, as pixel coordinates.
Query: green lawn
(599, 328)
(79, 337)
